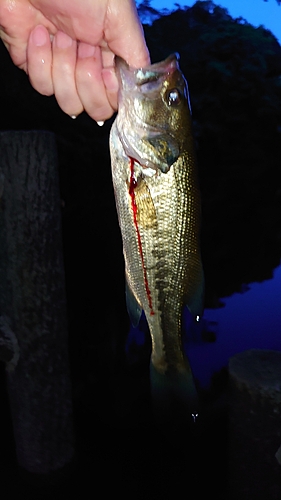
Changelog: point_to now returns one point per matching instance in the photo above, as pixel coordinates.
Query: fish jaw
(146, 128)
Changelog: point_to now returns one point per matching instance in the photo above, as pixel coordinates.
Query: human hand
(67, 47)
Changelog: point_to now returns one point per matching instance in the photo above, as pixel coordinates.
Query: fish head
(153, 113)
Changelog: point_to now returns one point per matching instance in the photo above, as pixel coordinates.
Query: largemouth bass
(158, 204)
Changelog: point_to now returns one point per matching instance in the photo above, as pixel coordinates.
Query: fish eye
(174, 97)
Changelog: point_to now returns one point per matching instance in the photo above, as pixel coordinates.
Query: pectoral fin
(133, 307)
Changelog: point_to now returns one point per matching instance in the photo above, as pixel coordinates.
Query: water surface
(250, 319)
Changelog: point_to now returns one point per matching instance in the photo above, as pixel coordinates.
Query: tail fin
(174, 397)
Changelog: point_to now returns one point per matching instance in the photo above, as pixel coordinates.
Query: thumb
(124, 33)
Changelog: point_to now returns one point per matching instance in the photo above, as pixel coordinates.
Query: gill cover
(147, 97)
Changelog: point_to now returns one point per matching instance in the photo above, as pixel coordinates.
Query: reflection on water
(250, 319)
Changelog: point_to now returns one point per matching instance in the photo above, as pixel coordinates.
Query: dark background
(234, 76)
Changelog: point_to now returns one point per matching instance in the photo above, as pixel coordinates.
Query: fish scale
(158, 204)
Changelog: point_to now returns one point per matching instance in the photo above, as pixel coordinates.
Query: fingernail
(62, 41)
(39, 36)
(85, 50)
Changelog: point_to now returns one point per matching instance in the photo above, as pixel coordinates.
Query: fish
(155, 180)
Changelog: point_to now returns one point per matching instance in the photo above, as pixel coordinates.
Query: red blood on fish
(132, 187)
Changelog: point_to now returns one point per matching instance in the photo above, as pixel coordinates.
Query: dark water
(250, 319)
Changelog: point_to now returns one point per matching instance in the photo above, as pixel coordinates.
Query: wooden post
(255, 425)
(33, 326)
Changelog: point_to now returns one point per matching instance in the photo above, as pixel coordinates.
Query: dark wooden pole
(33, 326)
(255, 425)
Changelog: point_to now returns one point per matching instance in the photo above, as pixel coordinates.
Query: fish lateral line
(132, 186)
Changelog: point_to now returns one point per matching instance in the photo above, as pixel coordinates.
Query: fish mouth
(139, 76)
(152, 145)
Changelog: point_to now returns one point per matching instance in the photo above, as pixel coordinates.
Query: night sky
(256, 12)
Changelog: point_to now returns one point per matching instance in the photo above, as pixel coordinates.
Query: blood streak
(132, 187)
